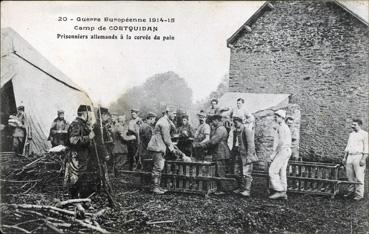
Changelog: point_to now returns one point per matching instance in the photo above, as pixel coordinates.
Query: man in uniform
(19, 133)
(218, 148)
(145, 133)
(202, 134)
(158, 145)
(281, 155)
(120, 144)
(356, 153)
(78, 172)
(244, 155)
(58, 130)
(186, 134)
(133, 130)
(106, 140)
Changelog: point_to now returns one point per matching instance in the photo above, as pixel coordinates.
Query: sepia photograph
(184, 116)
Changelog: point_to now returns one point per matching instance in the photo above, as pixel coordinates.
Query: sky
(105, 69)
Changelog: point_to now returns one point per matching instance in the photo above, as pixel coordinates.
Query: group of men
(210, 142)
(125, 146)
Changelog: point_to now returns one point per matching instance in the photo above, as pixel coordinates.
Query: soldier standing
(356, 153)
(58, 130)
(186, 133)
(202, 134)
(244, 155)
(133, 131)
(104, 123)
(218, 148)
(145, 133)
(19, 134)
(120, 144)
(158, 145)
(79, 157)
(281, 155)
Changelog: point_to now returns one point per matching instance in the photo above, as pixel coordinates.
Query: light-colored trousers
(277, 170)
(355, 173)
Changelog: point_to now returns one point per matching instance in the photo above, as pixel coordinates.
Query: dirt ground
(234, 214)
(139, 209)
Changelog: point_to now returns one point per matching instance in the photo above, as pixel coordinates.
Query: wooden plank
(199, 177)
(336, 173)
(213, 170)
(200, 173)
(313, 163)
(181, 172)
(190, 163)
(310, 192)
(169, 169)
(203, 178)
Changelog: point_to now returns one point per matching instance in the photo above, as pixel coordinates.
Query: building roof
(358, 9)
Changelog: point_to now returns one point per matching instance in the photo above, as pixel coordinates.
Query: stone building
(317, 51)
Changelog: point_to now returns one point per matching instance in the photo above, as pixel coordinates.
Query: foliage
(157, 92)
(221, 89)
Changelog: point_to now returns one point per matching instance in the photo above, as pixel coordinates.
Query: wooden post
(180, 183)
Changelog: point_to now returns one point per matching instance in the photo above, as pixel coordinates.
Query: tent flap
(40, 93)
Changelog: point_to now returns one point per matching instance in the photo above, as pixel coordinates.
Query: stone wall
(265, 129)
(316, 51)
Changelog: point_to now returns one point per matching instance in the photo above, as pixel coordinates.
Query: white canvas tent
(255, 102)
(28, 79)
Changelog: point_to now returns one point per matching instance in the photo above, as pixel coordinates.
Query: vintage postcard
(184, 116)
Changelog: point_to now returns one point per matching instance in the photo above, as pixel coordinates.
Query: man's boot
(239, 189)
(279, 195)
(156, 185)
(247, 187)
(162, 189)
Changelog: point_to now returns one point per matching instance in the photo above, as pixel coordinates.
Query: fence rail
(200, 177)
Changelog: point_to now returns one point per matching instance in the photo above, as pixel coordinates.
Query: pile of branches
(60, 217)
(21, 174)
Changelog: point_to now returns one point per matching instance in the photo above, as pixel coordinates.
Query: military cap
(151, 115)
(219, 114)
(281, 113)
(84, 108)
(60, 112)
(215, 116)
(236, 118)
(135, 110)
(20, 108)
(289, 118)
(201, 114)
(185, 116)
